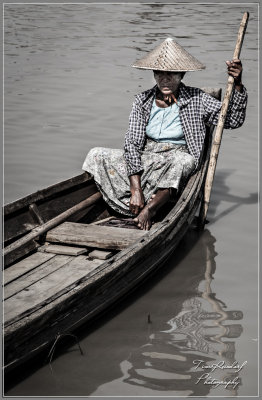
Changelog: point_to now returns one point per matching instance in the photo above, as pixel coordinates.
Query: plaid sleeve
(236, 111)
(135, 140)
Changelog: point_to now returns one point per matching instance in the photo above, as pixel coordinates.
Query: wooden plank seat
(97, 236)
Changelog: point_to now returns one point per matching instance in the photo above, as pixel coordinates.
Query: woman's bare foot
(144, 218)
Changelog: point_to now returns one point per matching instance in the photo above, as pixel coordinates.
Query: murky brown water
(69, 87)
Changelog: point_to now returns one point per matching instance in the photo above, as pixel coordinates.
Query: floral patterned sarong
(166, 165)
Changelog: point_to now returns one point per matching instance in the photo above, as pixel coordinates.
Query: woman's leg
(108, 168)
(164, 172)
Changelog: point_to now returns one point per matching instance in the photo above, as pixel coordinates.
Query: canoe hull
(113, 280)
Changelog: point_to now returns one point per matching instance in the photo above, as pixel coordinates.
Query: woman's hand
(137, 200)
(234, 68)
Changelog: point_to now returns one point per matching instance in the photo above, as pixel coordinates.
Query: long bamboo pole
(39, 230)
(219, 129)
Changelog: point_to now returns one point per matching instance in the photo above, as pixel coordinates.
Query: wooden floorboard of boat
(25, 281)
(65, 250)
(49, 288)
(94, 235)
(25, 266)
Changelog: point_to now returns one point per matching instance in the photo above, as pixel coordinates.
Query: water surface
(69, 87)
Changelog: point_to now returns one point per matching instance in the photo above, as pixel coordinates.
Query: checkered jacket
(196, 109)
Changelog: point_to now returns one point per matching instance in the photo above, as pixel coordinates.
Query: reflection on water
(222, 193)
(198, 335)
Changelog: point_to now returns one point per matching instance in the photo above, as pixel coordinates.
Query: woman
(164, 143)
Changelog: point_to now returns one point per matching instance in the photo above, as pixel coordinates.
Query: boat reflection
(198, 336)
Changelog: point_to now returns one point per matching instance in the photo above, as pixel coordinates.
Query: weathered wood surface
(33, 210)
(100, 254)
(16, 255)
(24, 266)
(94, 235)
(18, 225)
(49, 288)
(52, 223)
(24, 220)
(66, 250)
(65, 200)
(35, 275)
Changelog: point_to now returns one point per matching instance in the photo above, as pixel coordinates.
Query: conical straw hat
(169, 56)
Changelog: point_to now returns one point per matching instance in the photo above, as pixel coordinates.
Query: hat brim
(169, 56)
(170, 70)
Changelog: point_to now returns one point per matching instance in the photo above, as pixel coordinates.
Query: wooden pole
(39, 230)
(220, 127)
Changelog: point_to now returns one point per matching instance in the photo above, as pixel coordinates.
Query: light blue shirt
(164, 124)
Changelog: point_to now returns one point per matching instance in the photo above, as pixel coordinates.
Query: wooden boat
(68, 257)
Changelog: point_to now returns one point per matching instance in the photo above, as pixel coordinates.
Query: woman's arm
(137, 200)
(134, 140)
(237, 107)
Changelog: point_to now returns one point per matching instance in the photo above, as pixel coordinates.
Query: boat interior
(60, 257)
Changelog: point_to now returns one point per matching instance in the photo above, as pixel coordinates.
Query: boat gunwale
(46, 193)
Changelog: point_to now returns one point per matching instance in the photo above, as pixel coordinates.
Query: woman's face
(168, 82)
